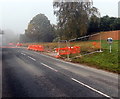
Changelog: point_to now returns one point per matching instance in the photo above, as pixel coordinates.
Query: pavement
(32, 74)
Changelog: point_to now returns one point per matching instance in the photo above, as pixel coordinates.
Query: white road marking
(91, 88)
(86, 67)
(49, 67)
(23, 54)
(32, 58)
(28, 53)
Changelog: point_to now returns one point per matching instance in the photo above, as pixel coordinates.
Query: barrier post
(68, 56)
(58, 48)
(110, 48)
(100, 43)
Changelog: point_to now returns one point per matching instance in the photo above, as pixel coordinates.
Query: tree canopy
(109, 23)
(73, 17)
(104, 23)
(39, 29)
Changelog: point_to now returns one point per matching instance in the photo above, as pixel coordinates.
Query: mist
(9, 37)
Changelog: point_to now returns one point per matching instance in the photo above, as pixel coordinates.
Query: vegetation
(96, 24)
(109, 23)
(73, 18)
(39, 30)
(105, 60)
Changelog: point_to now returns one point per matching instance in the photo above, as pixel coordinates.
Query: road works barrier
(19, 44)
(14, 44)
(11, 44)
(67, 51)
(36, 47)
(96, 44)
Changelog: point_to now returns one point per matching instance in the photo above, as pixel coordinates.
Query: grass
(104, 60)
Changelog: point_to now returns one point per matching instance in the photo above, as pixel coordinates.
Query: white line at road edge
(85, 67)
(91, 88)
(49, 67)
(23, 54)
(32, 58)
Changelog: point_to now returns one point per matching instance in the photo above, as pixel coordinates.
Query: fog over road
(32, 74)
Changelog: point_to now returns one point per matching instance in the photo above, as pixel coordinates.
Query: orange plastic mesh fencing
(36, 47)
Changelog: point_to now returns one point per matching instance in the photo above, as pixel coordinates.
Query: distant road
(31, 74)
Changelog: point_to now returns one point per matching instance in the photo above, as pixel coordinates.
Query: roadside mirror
(110, 40)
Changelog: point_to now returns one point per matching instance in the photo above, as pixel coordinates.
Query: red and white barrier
(36, 48)
(67, 50)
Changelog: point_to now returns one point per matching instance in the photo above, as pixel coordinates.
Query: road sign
(110, 40)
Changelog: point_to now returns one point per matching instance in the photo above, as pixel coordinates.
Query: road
(32, 74)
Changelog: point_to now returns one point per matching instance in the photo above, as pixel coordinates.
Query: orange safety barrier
(11, 44)
(19, 44)
(75, 49)
(68, 50)
(36, 47)
(96, 44)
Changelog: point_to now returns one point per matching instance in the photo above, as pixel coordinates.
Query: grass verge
(103, 60)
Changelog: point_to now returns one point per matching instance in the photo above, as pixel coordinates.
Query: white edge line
(91, 88)
(32, 58)
(111, 74)
(49, 67)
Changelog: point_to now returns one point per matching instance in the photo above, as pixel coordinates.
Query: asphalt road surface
(32, 74)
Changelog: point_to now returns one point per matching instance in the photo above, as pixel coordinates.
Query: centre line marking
(49, 67)
(91, 88)
(32, 58)
(23, 54)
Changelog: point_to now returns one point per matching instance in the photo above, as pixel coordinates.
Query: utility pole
(1, 37)
(100, 32)
(58, 46)
(1, 32)
(68, 49)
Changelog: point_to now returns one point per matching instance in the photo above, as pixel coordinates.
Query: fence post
(68, 45)
(100, 43)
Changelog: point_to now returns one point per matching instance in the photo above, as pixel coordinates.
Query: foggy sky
(16, 14)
